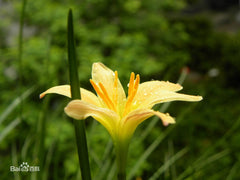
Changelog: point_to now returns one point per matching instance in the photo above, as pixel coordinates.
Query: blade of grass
(48, 160)
(75, 91)
(155, 144)
(94, 156)
(112, 171)
(148, 151)
(211, 149)
(26, 146)
(105, 159)
(233, 171)
(108, 159)
(229, 132)
(196, 167)
(20, 50)
(171, 152)
(212, 159)
(15, 104)
(9, 128)
(166, 165)
(41, 132)
(15, 162)
(104, 170)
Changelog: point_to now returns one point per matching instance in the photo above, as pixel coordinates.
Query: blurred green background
(155, 38)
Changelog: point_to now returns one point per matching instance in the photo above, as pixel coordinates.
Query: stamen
(137, 82)
(116, 79)
(132, 92)
(102, 94)
(107, 97)
(131, 83)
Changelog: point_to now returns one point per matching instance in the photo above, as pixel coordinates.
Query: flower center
(112, 101)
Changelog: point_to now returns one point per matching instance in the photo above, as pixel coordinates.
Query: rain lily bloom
(119, 114)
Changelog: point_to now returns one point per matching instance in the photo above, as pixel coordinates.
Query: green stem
(121, 159)
(75, 91)
(20, 50)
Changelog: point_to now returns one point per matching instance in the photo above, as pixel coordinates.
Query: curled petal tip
(165, 123)
(199, 98)
(41, 95)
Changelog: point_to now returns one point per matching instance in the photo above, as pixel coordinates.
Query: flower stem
(75, 91)
(121, 176)
(121, 159)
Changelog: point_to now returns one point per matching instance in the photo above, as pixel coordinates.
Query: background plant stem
(20, 49)
(75, 91)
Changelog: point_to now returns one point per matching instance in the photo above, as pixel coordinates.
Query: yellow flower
(119, 114)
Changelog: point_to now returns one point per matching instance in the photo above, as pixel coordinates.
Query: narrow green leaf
(166, 165)
(15, 104)
(75, 91)
(9, 128)
(203, 164)
(20, 50)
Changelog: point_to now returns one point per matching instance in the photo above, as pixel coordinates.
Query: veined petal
(65, 90)
(159, 85)
(79, 110)
(133, 119)
(154, 92)
(148, 90)
(105, 76)
(167, 96)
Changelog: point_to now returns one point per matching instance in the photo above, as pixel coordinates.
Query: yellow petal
(105, 76)
(166, 118)
(64, 90)
(154, 92)
(159, 85)
(133, 119)
(167, 96)
(79, 110)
